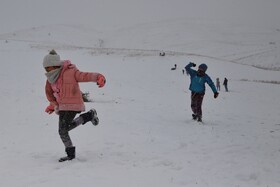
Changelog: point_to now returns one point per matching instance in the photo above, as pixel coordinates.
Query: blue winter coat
(198, 82)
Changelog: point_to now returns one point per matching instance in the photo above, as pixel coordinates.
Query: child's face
(50, 68)
(201, 72)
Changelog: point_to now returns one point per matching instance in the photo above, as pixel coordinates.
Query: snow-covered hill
(146, 136)
(258, 47)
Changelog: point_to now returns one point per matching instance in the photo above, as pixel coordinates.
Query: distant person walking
(218, 86)
(226, 84)
(197, 88)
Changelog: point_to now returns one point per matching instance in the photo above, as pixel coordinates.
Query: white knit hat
(52, 59)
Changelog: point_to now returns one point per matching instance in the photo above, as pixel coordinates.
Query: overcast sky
(20, 14)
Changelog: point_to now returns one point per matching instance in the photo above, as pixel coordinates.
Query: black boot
(199, 119)
(194, 116)
(71, 154)
(91, 115)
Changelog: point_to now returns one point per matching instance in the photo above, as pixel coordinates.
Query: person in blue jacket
(197, 88)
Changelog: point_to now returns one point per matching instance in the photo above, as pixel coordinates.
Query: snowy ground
(146, 136)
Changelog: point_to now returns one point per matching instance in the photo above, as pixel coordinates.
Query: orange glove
(49, 109)
(100, 80)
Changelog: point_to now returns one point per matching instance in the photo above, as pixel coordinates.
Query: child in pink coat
(64, 94)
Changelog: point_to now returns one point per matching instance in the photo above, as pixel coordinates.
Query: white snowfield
(146, 136)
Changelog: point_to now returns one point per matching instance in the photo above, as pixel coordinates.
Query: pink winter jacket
(65, 93)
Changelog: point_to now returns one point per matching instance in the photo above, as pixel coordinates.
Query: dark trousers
(67, 123)
(196, 103)
(226, 88)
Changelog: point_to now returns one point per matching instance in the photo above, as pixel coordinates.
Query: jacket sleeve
(189, 70)
(211, 84)
(50, 95)
(85, 76)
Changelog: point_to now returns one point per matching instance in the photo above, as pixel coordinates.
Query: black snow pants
(67, 123)
(196, 103)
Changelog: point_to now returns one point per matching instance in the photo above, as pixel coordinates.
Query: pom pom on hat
(53, 52)
(52, 59)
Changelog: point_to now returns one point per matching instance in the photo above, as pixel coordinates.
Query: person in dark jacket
(197, 88)
(225, 84)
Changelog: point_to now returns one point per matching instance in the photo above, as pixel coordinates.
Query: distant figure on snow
(63, 92)
(197, 88)
(162, 54)
(175, 67)
(226, 84)
(218, 86)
